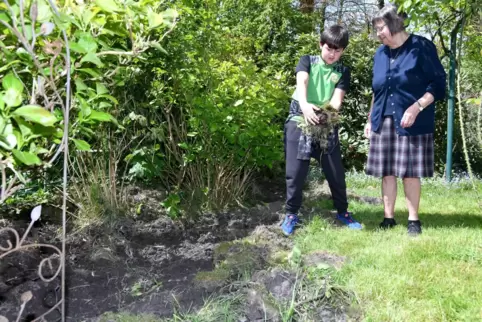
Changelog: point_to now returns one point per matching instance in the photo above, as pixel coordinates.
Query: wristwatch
(420, 107)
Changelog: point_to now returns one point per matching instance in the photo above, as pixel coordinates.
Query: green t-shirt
(323, 79)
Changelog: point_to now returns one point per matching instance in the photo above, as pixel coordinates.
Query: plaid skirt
(402, 156)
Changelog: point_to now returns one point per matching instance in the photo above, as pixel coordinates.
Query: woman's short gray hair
(394, 20)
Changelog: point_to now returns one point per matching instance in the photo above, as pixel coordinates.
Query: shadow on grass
(372, 214)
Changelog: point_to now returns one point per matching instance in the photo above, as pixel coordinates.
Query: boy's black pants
(297, 170)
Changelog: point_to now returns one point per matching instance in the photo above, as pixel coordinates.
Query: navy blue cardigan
(416, 70)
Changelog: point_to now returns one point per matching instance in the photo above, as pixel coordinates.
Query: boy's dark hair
(335, 37)
(394, 20)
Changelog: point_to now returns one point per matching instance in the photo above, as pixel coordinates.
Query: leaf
(166, 17)
(22, 53)
(101, 89)
(8, 141)
(87, 131)
(109, 97)
(25, 128)
(159, 47)
(36, 114)
(28, 32)
(58, 133)
(43, 11)
(19, 137)
(3, 123)
(40, 151)
(170, 14)
(238, 102)
(80, 85)
(2, 102)
(26, 158)
(92, 58)
(4, 17)
(18, 174)
(63, 21)
(89, 71)
(7, 65)
(7, 127)
(104, 105)
(87, 15)
(295, 256)
(154, 19)
(101, 116)
(81, 145)
(107, 5)
(88, 43)
(474, 101)
(12, 97)
(10, 81)
(85, 109)
(77, 48)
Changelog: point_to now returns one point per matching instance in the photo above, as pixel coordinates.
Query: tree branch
(439, 33)
(115, 52)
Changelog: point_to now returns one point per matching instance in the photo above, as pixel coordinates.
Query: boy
(319, 79)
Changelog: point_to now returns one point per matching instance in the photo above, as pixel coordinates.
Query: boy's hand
(309, 113)
(368, 129)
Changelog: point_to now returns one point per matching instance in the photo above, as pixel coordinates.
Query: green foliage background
(195, 105)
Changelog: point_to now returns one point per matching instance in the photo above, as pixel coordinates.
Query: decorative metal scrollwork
(18, 245)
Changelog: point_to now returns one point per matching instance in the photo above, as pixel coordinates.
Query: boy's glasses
(335, 49)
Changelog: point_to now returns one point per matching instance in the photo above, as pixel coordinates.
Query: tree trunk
(451, 98)
(324, 4)
(340, 11)
(307, 6)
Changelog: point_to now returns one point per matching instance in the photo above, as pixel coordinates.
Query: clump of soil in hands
(329, 118)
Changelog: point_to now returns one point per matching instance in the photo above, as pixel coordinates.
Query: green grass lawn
(434, 277)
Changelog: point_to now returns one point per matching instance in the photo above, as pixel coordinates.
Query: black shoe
(414, 227)
(388, 223)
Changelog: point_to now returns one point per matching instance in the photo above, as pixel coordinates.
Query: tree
(446, 25)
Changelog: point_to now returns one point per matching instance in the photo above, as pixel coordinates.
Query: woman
(407, 80)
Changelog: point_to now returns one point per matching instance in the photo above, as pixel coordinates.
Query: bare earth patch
(142, 266)
(155, 266)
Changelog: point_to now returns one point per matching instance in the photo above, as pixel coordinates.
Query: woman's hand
(410, 116)
(309, 113)
(368, 129)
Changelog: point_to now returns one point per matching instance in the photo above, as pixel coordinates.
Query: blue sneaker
(348, 220)
(289, 224)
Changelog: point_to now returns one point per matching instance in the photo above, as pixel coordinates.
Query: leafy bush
(60, 63)
(195, 104)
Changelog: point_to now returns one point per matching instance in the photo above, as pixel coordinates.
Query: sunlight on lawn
(434, 277)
